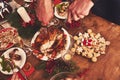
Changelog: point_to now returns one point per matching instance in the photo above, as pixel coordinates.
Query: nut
(89, 30)
(89, 55)
(75, 37)
(94, 59)
(107, 42)
(73, 49)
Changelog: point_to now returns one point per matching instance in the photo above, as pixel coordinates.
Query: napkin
(57, 2)
(27, 73)
(19, 75)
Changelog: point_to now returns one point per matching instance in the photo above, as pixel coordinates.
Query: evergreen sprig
(25, 32)
(60, 66)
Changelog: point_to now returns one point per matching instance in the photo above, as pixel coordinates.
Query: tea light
(23, 14)
(67, 57)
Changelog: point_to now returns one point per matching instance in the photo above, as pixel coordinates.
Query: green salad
(62, 8)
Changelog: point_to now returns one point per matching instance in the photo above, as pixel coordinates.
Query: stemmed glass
(54, 22)
(25, 45)
(65, 76)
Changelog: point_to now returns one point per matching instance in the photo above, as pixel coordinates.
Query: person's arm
(79, 9)
(44, 11)
(15, 77)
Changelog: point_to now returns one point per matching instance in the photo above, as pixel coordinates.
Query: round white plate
(62, 52)
(56, 13)
(19, 63)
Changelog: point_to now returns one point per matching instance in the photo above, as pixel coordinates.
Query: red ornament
(57, 2)
(87, 42)
(73, 24)
(50, 66)
(24, 24)
(81, 74)
(32, 5)
(30, 23)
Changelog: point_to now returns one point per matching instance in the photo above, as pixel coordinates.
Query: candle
(67, 57)
(23, 14)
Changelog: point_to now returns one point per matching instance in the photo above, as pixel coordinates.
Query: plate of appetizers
(90, 44)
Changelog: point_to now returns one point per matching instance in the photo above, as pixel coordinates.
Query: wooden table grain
(107, 67)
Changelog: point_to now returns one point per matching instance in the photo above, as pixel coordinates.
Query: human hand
(79, 9)
(15, 77)
(44, 11)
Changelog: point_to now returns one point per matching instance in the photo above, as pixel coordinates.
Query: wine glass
(54, 22)
(65, 76)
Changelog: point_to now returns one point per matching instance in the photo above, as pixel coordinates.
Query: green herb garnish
(5, 65)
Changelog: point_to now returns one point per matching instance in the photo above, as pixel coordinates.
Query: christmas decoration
(23, 14)
(5, 10)
(53, 67)
(25, 29)
(74, 24)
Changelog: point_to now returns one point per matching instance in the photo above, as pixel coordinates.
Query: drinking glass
(65, 76)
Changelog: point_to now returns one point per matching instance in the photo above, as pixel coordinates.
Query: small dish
(20, 63)
(61, 10)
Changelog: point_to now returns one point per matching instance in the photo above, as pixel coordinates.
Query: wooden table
(107, 67)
